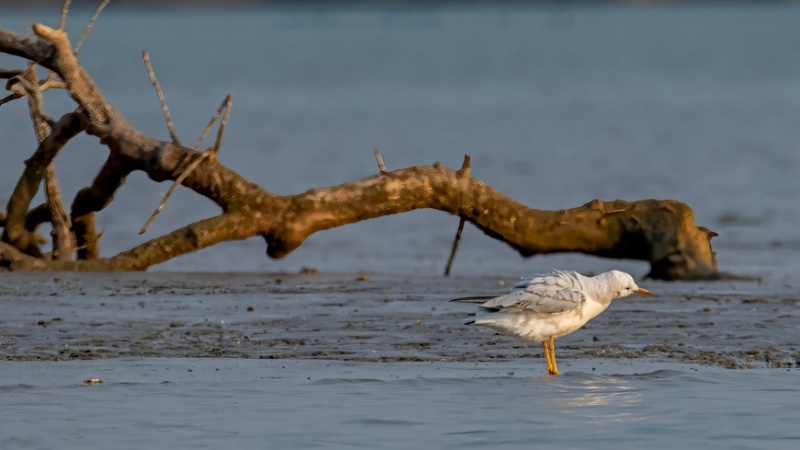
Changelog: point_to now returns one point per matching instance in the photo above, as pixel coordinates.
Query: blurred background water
(557, 105)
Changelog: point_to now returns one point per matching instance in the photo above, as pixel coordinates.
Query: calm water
(557, 106)
(316, 404)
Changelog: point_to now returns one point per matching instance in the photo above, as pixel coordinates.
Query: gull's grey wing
(547, 294)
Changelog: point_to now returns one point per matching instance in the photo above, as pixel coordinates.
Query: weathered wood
(63, 245)
(662, 232)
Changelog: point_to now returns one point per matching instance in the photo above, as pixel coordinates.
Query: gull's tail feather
(477, 299)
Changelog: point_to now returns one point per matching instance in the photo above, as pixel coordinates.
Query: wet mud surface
(352, 317)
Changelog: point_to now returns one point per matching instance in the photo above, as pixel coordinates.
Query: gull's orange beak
(642, 291)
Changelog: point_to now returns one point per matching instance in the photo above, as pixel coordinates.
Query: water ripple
(17, 387)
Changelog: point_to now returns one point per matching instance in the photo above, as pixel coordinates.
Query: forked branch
(662, 232)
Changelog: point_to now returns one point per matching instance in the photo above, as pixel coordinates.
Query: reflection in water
(580, 390)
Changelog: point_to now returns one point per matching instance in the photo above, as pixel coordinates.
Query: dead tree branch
(15, 231)
(63, 246)
(211, 152)
(161, 99)
(89, 25)
(662, 232)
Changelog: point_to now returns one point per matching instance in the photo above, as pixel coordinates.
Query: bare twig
(54, 254)
(10, 98)
(90, 25)
(13, 84)
(461, 173)
(171, 189)
(160, 93)
(226, 105)
(454, 247)
(64, 11)
(379, 159)
(9, 73)
(28, 81)
(211, 122)
(12, 75)
(41, 121)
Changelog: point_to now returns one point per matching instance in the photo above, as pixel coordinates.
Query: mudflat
(352, 317)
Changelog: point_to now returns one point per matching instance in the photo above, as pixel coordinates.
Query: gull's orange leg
(547, 357)
(553, 356)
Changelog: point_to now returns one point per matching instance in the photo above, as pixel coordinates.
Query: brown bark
(63, 245)
(15, 231)
(662, 232)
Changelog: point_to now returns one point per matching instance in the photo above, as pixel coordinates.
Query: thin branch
(14, 79)
(379, 159)
(454, 247)
(28, 81)
(51, 82)
(62, 238)
(41, 123)
(213, 120)
(9, 73)
(160, 93)
(54, 254)
(211, 153)
(171, 189)
(90, 25)
(10, 98)
(228, 106)
(64, 11)
(463, 172)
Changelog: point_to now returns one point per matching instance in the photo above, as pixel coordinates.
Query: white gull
(552, 305)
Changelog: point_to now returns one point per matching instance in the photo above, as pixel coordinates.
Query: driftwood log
(662, 232)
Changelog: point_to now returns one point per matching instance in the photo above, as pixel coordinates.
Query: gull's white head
(621, 284)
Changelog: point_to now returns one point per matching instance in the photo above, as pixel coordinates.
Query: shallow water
(333, 362)
(213, 403)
